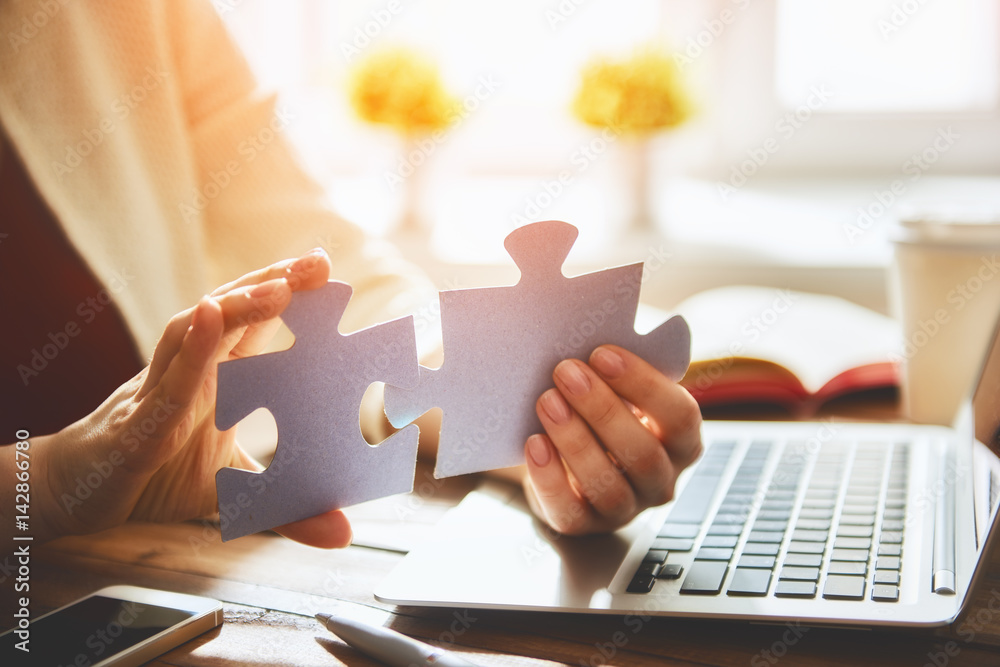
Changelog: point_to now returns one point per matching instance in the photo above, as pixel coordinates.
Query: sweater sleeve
(254, 203)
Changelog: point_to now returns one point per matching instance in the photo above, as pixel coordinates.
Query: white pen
(391, 647)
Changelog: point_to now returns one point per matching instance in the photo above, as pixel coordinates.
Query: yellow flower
(641, 94)
(402, 88)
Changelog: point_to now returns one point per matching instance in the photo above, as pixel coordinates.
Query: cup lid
(949, 226)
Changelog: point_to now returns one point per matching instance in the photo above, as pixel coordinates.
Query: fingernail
(555, 406)
(573, 377)
(538, 450)
(608, 363)
(307, 261)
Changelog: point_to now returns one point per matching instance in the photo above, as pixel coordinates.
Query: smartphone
(118, 625)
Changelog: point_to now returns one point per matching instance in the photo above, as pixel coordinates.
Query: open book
(760, 345)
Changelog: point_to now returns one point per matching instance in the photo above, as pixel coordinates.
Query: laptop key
(856, 555)
(806, 547)
(765, 536)
(803, 560)
(891, 537)
(773, 526)
(852, 543)
(693, 503)
(711, 553)
(761, 548)
(642, 582)
(800, 573)
(725, 529)
(655, 556)
(887, 563)
(672, 544)
(725, 541)
(887, 577)
(885, 593)
(795, 589)
(844, 587)
(684, 530)
(845, 530)
(749, 581)
(748, 560)
(705, 577)
(857, 520)
(847, 567)
(810, 535)
(670, 571)
(889, 550)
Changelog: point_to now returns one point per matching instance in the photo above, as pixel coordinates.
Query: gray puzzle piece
(501, 345)
(314, 391)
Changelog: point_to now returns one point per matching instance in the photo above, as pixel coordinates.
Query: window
(835, 90)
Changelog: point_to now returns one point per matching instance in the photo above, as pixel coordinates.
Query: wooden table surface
(271, 587)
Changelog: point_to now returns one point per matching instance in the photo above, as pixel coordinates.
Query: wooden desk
(271, 588)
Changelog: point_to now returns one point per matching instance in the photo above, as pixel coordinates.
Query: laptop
(825, 522)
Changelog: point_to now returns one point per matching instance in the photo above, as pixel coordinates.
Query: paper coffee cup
(946, 293)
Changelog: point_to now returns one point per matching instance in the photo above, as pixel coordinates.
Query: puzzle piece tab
(501, 345)
(314, 391)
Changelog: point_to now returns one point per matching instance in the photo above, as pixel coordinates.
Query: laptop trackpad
(491, 551)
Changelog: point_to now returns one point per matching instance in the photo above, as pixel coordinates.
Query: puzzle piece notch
(502, 343)
(314, 391)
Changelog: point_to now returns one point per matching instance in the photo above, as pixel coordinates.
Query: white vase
(414, 165)
(634, 173)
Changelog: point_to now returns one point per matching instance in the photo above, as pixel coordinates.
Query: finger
(641, 457)
(601, 483)
(168, 403)
(551, 492)
(309, 271)
(669, 405)
(251, 316)
(331, 530)
(243, 307)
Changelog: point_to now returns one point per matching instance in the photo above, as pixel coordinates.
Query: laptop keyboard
(827, 521)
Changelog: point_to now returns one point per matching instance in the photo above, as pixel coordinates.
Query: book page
(814, 336)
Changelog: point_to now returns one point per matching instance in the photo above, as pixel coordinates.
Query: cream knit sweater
(170, 172)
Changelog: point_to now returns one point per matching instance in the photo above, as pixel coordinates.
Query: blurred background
(803, 129)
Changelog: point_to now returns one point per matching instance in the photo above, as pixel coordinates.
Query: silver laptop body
(773, 523)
